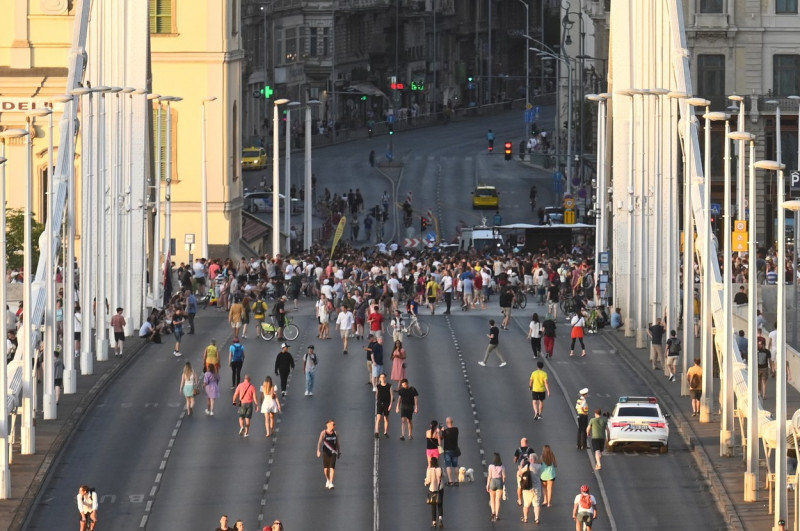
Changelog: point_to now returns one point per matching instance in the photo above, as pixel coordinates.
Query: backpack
(238, 352)
(525, 480)
(675, 346)
(695, 382)
(586, 501)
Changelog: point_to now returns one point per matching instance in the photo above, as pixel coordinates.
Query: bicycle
(416, 328)
(520, 300)
(267, 331)
(568, 305)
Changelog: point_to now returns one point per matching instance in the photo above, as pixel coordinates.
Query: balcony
(787, 106)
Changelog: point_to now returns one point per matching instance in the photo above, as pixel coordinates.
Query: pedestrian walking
(118, 324)
(177, 331)
(270, 404)
(694, 376)
(549, 336)
(323, 316)
(433, 480)
(397, 326)
(398, 363)
(211, 387)
(451, 451)
(765, 363)
(87, 507)
(407, 405)
(582, 409)
(495, 486)
(310, 362)
(376, 357)
(236, 361)
(522, 454)
(328, 447)
(597, 429)
(548, 474)
(246, 398)
(656, 333)
(433, 440)
(211, 356)
(58, 374)
(540, 389)
(188, 386)
(674, 348)
(578, 324)
(494, 343)
(447, 290)
(530, 485)
(284, 364)
(344, 322)
(584, 509)
(223, 524)
(383, 404)
(235, 316)
(191, 310)
(506, 300)
(535, 335)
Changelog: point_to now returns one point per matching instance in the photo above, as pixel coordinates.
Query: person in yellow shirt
(432, 293)
(540, 389)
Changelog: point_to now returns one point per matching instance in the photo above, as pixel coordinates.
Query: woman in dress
(323, 317)
(548, 474)
(398, 362)
(433, 440)
(433, 480)
(188, 383)
(211, 385)
(495, 482)
(269, 405)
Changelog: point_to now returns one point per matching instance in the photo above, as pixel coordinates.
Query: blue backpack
(238, 352)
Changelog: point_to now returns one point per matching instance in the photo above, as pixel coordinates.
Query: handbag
(457, 452)
(433, 498)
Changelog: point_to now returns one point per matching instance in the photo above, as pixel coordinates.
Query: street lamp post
(727, 421)
(796, 99)
(156, 242)
(5, 472)
(526, 132)
(276, 218)
(101, 334)
(204, 201)
(751, 475)
(168, 189)
(308, 200)
(600, 189)
(141, 257)
(287, 177)
(673, 251)
(630, 208)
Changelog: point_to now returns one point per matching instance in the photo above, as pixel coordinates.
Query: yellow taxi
(485, 197)
(254, 158)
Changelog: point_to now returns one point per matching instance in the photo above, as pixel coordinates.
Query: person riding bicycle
(585, 509)
(490, 138)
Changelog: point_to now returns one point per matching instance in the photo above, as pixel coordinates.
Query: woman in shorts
(270, 405)
(433, 440)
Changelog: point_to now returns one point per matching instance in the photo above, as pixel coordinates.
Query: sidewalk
(725, 475)
(28, 472)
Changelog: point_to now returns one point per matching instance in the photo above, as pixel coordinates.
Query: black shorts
(201, 281)
(536, 395)
(77, 336)
(407, 412)
(59, 382)
(598, 444)
(328, 460)
(119, 336)
(431, 300)
(695, 393)
(382, 409)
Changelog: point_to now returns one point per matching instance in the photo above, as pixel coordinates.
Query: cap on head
(284, 345)
(584, 391)
(311, 347)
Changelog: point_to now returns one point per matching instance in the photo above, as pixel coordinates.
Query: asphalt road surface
(155, 468)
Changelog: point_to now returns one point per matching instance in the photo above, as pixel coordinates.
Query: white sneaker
(503, 364)
(374, 389)
(306, 393)
(327, 484)
(482, 364)
(207, 413)
(331, 485)
(211, 413)
(176, 354)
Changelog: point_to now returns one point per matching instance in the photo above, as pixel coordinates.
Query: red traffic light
(508, 147)
(398, 86)
(508, 150)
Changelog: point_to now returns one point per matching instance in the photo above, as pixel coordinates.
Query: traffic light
(363, 98)
(508, 150)
(423, 223)
(391, 128)
(267, 92)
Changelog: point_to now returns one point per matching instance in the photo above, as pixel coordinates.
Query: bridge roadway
(156, 468)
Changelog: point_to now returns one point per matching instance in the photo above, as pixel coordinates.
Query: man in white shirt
(447, 289)
(344, 322)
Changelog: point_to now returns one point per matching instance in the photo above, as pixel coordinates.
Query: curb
(725, 505)
(51, 457)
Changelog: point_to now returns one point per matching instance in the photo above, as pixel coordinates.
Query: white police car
(638, 420)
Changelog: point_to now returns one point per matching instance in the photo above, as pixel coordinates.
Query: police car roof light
(649, 399)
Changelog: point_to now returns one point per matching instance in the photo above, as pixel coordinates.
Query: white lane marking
(566, 395)
(143, 522)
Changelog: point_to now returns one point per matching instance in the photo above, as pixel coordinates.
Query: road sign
(795, 179)
(740, 225)
(188, 238)
(716, 209)
(431, 237)
(569, 202)
(739, 241)
(530, 117)
(537, 109)
(411, 242)
(390, 119)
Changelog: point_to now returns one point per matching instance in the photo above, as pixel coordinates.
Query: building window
(291, 45)
(234, 17)
(326, 50)
(279, 59)
(162, 16)
(711, 6)
(162, 172)
(786, 7)
(786, 75)
(711, 76)
(312, 42)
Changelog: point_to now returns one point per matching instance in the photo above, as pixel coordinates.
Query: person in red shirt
(375, 320)
(247, 397)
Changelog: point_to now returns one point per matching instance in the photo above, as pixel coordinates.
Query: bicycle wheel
(266, 333)
(420, 329)
(522, 300)
(291, 332)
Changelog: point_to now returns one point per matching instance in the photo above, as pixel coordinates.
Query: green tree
(15, 238)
